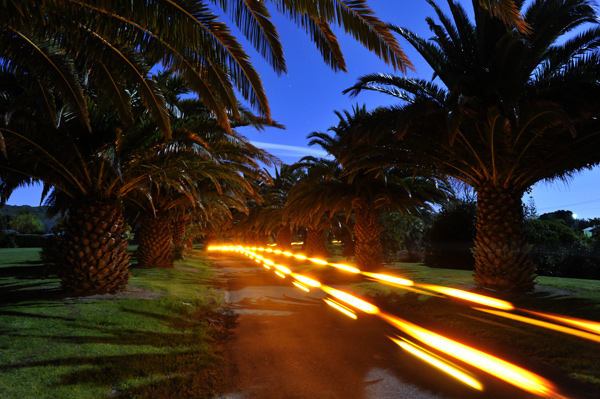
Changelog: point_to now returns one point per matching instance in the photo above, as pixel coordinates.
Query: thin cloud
(283, 150)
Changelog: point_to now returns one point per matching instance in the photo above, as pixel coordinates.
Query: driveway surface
(289, 344)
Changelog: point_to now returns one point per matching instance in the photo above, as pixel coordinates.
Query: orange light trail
(287, 253)
(318, 261)
(302, 287)
(306, 280)
(545, 324)
(283, 269)
(301, 257)
(389, 279)
(499, 368)
(345, 268)
(591, 326)
(280, 275)
(439, 363)
(351, 300)
(277, 251)
(341, 308)
(469, 296)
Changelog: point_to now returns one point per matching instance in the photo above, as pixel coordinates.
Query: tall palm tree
(365, 193)
(506, 110)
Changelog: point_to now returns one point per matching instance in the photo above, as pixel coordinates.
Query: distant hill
(39, 211)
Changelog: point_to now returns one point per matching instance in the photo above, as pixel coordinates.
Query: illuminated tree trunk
(155, 247)
(96, 259)
(367, 229)
(501, 251)
(315, 243)
(284, 237)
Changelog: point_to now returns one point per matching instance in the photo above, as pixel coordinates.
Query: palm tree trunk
(155, 247)
(284, 237)
(501, 251)
(97, 258)
(315, 243)
(180, 242)
(367, 229)
(348, 249)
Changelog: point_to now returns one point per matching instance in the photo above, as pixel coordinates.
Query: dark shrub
(30, 240)
(449, 240)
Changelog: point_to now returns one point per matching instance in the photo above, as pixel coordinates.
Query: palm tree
(44, 43)
(507, 111)
(365, 193)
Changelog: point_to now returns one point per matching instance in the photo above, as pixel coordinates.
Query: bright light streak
(345, 268)
(287, 253)
(440, 364)
(280, 275)
(471, 297)
(341, 308)
(283, 269)
(277, 251)
(308, 281)
(298, 256)
(499, 368)
(268, 250)
(591, 326)
(351, 300)
(267, 266)
(318, 261)
(297, 243)
(253, 248)
(389, 279)
(268, 262)
(302, 287)
(259, 249)
(545, 324)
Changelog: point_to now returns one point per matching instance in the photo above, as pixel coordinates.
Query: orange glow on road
(389, 279)
(341, 308)
(499, 368)
(545, 324)
(302, 287)
(591, 326)
(345, 268)
(471, 297)
(318, 261)
(440, 364)
(351, 300)
(308, 281)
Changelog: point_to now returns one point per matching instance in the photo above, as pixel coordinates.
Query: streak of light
(267, 266)
(277, 251)
(591, 326)
(345, 268)
(297, 243)
(545, 324)
(439, 363)
(271, 245)
(469, 296)
(298, 256)
(280, 275)
(268, 250)
(283, 269)
(306, 280)
(257, 260)
(268, 262)
(499, 368)
(389, 279)
(260, 249)
(302, 287)
(287, 253)
(341, 308)
(351, 300)
(318, 261)
(253, 249)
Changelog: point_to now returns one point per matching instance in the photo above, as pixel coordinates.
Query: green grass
(159, 341)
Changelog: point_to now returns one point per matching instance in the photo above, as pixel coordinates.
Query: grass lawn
(159, 339)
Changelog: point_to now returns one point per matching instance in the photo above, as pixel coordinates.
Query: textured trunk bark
(96, 259)
(367, 229)
(284, 238)
(315, 243)
(501, 251)
(180, 242)
(155, 247)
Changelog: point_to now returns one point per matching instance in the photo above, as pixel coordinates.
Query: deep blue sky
(304, 101)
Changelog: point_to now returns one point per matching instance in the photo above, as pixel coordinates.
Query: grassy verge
(157, 340)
